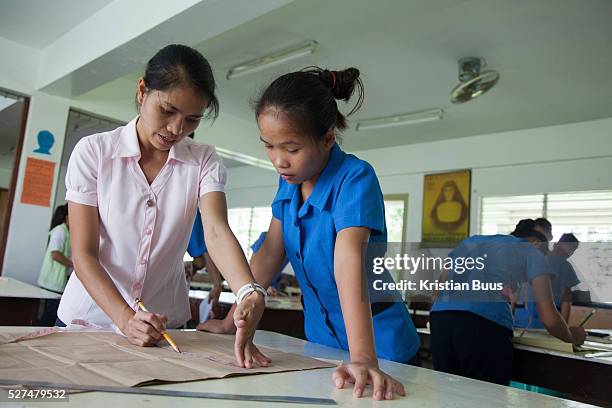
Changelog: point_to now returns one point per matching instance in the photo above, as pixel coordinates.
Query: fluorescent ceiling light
(244, 158)
(400, 120)
(271, 60)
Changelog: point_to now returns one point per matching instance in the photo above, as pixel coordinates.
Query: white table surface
(426, 388)
(10, 287)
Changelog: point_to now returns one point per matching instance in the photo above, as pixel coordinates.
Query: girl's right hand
(144, 328)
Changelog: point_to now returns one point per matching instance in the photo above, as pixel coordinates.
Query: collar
(127, 142)
(127, 146)
(324, 184)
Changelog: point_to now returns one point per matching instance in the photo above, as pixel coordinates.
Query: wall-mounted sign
(446, 208)
(45, 142)
(37, 182)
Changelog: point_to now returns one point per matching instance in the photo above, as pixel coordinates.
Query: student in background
(201, 259)
(471, 331)
(57, 263)
(328, 205)
(529, 228)
(133, 194)
(562, 281)
(227, 326)
(544, 226)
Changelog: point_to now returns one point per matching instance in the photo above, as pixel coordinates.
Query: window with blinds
(588, 214)
(499, 215)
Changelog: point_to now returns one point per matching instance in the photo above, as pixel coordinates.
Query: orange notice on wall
(38, 182)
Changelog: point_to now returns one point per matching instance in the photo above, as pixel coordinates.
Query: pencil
(586, 319)
(164, 333)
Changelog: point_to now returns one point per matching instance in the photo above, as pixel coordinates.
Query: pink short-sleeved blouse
(144, 229)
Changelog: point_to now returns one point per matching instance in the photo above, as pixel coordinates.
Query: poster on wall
(446, 208)
(38, 182)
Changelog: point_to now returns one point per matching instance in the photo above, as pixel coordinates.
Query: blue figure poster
(45, 142)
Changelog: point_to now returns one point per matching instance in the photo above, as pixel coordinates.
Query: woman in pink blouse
(133, 194)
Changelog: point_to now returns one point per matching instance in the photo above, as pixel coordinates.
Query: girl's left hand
(361, 374)
(246, 318)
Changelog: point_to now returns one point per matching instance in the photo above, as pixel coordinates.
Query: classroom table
(426, 388)
(20, 302)
(581, 378)
(283, 314)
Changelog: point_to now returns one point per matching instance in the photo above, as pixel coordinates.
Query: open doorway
(13, 116)
(80, 124)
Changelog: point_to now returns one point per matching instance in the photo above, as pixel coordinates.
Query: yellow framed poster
(446, 208)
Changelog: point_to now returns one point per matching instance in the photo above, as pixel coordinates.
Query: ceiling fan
(473, 81)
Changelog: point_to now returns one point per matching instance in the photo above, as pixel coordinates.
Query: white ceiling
(554, 58)
(39, 23)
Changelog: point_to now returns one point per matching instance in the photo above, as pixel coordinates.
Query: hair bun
(342, 83)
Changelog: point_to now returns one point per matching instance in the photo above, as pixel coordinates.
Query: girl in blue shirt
(328, 205)
(562, 279)
(471, 330)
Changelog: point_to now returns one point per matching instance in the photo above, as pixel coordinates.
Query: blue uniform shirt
(197, 245)
(255, 247)
(508, 260)
(564, 278)
(347, 194)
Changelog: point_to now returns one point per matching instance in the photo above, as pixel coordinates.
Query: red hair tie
(333, 75)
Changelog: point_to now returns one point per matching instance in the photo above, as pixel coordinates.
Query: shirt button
(297, 255)
(148, 231)
(295, 223)
(309, 285)
(150, 203)
(137, 286)
(143, 261)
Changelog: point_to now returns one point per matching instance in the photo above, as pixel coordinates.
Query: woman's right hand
(144, 328)
(578, 334)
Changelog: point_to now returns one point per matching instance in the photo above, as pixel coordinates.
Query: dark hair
(308, 98)
(543, 223)
(569, 237)
(524, 229)
(59, 216)
(177, 64)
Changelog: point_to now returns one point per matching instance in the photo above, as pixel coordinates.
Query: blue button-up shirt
(197, 245)
(564, 278)
(508, 260)
(347, 194)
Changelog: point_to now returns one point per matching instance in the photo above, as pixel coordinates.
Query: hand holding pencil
(163, 332)
(143, 328)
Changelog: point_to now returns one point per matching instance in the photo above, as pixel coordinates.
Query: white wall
(29, 224)
(570, 157)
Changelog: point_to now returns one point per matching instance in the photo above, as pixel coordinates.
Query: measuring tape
(172, 393)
